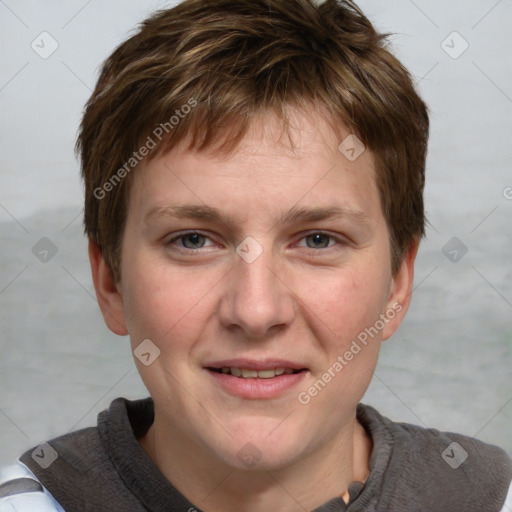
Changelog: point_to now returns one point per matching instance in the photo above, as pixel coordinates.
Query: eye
(190, 240)
(319, 241)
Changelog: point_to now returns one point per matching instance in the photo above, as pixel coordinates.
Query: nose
(256, 300)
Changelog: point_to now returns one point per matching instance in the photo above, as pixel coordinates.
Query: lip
(256, 388)
(253, 364)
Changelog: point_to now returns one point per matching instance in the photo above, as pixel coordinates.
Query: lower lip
(257, 388)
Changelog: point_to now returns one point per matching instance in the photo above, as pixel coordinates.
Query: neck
(302, 485)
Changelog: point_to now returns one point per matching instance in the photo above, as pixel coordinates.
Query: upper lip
(253, 364)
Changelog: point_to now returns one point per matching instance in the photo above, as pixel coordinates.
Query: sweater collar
(126, 421)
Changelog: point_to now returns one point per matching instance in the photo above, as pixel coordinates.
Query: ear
(109, 298)
(400, 292)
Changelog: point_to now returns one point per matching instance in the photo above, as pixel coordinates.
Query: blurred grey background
(448, 367)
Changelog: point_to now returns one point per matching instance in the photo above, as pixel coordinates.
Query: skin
(296, 301)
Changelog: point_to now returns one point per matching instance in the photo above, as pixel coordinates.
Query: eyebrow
(296, 215)
(187, 211)
(293, 216)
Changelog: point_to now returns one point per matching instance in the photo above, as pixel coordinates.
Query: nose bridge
(255, 299)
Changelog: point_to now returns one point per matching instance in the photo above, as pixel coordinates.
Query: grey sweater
(412, 469)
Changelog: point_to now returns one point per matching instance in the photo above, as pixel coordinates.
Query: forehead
(274, 168)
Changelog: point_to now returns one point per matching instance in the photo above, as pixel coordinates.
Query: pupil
(193, 239)
(320, 240)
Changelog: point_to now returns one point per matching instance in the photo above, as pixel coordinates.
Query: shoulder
(21, 491)
(70, 467)
(88, 468)
(453, 451)
(454, 470)
(81, 470)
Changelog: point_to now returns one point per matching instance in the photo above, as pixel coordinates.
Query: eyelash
(338, 240)
(184, 235)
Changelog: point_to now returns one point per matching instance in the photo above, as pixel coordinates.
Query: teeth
(253, 374)
(265, 374)
(236, 372)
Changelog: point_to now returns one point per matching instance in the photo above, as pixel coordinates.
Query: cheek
(346, 301)
(342, 309)
(163, 303)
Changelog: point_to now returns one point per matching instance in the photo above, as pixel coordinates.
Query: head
(230, 120)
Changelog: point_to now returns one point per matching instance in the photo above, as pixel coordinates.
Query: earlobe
(109, 298)
(401, 291)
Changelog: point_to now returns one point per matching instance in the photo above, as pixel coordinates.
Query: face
(273, 263)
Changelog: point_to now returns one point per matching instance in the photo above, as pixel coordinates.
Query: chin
(260, 448)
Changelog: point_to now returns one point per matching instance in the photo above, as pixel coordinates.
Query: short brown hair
(228, 61)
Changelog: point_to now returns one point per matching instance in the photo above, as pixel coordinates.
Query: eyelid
(338, 238)
(183, 234)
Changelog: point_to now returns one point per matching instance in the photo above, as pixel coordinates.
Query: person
(254, 174)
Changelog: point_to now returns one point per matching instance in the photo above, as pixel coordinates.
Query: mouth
(247, 373)
(256, 379)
